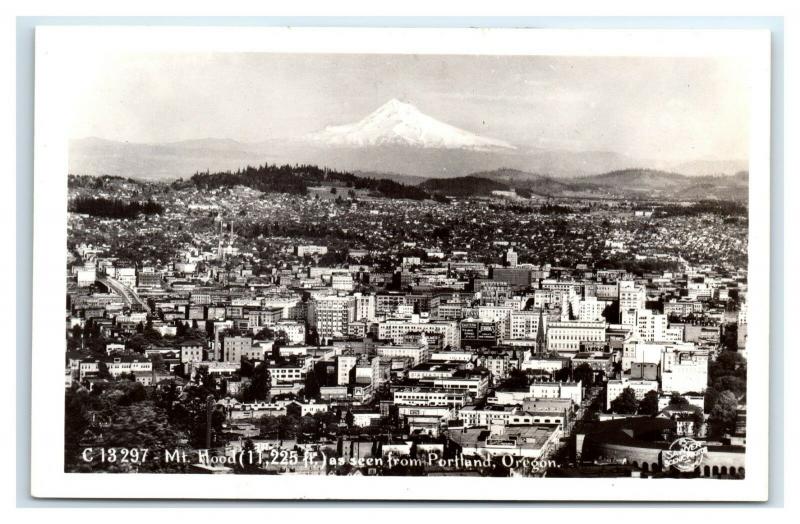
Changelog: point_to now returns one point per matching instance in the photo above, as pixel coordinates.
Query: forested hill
(296, 179)
(113, 208)
(641, 179)
(463, 186)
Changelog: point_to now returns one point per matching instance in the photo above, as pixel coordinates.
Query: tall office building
(332, 315)
(344, 365)
(631, 296)
(511, 257)
(650, 326)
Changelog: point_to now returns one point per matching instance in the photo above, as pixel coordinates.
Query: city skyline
(349, 326)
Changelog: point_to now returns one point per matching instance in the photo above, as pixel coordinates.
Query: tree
(249, 458)
(736, 385)
(710, 399)
(128, 392)
(311, 385)
(585, 374)
(138, 342)
(722, 419)
(516, 379)
(246, 367)
(113, 208)
(158, 363)
(728, 363)
(561, 375)
(679, 401)
(77, 406)
(120, 415)
(523, 192)
(288, 426)
(165, 398)
(649, 404)
(309, 424)
(698, 418)
(730, 337)
(276, 352)
(102, 371)
(206, 380)
(259, 386)
(269, 426)
(199, 424)
(264, 334)
(625, 403)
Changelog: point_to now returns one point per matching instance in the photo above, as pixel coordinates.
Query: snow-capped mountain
(396, 138)
(399, 124)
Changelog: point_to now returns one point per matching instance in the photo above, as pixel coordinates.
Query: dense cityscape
(345, 327)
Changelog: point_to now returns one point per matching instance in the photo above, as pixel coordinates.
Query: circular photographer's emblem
(685, 454)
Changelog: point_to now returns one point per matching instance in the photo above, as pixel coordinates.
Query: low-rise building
(124, 364)
(529, 441)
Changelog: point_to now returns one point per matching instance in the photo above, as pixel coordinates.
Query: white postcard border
(61, 51)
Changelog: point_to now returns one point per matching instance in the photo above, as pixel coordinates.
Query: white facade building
(396, 329)
(418, 353)
(332, 315)
(631, 296)
(566, 337)
(525, 324)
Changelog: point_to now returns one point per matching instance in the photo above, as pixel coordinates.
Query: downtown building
(524, 325)
(631, 296)
(681, 367)
(331, 315)
(565, 337)
(396, 329)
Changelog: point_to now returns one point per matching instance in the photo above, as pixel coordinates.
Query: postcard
(401, 264)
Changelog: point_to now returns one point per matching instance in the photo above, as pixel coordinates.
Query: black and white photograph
(287, 265)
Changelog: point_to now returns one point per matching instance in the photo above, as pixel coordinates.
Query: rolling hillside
(633, 184)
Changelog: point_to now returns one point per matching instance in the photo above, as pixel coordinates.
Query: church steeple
(540, 339)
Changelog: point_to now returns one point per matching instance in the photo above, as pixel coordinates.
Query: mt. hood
(399, 124)
(395, 138)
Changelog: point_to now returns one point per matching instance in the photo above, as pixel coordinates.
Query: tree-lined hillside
(463, 186)
(296, 179)
(113, 208)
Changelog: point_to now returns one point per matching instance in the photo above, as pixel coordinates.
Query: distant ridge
(173, 160)
(640, 177)
(626, 183)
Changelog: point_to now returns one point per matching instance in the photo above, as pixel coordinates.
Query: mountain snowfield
(396, 123)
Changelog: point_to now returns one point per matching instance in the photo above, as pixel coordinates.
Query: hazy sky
(655, 108)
